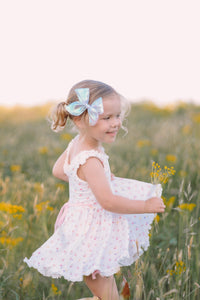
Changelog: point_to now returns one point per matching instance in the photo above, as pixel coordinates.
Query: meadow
(30, 199)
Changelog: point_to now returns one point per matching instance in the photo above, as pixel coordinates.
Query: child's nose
(115, 122)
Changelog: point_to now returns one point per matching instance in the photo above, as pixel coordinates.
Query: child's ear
(78, 121)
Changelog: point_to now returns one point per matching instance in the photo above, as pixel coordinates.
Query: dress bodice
(79, 190)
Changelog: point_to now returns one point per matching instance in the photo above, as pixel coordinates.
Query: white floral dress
(87, 238)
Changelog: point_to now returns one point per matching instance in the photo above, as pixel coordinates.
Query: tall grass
(169, 269)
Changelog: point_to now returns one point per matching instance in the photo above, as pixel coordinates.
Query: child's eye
(119, 116)
(106, 118)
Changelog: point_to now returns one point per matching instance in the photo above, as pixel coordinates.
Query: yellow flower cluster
(159, 176)
(43, 150)
(143, 143)
(10, 242)
(178, 269)
(169, 203)
(55, 290)
(17, 216)
(42, 206)
(66, 136)
(11, 209)
(171, 158)
(15, 168)
(187, 206)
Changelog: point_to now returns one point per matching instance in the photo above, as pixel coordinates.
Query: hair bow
(78, 107)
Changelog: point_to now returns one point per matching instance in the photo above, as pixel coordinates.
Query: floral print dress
(87, 238)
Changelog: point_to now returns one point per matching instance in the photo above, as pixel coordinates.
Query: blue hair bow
(78, 107)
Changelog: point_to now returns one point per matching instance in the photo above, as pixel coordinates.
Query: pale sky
(145, 49)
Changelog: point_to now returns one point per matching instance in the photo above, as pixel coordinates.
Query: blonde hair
(97, 89)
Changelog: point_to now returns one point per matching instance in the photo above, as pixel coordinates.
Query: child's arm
(58, 168)
(93, 172)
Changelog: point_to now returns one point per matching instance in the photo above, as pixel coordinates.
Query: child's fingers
(155, 205)
(162, 206)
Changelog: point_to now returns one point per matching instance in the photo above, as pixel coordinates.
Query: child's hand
(154, 205)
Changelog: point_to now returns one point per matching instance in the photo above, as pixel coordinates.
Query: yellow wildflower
(11, 242)
(66, 136)
(187, 206)
(159, 176)
(55, 290)
(15, 168)
(143, 143)
(170, 272)
(49, 208)
(171, 158)
(157, 218)
(170, 201)
(17, 216)
(43, 150)
(11, 209)
(164, 199)
(21, 281)
(179, 268)
(43, 206)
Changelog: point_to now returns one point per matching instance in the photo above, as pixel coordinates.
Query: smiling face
(108, 124)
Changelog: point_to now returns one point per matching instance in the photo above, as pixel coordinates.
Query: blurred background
(145, 49)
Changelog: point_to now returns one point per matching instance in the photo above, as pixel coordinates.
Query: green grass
(170, 267)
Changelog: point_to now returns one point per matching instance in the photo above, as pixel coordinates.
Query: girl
(105, 223)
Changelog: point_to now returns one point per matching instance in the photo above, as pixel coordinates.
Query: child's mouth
(112, 133)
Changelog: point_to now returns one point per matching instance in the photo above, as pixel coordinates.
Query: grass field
(30, 198)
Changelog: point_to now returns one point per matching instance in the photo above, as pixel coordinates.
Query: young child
(105, 224)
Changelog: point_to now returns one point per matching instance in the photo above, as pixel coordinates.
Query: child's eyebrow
(111, 113)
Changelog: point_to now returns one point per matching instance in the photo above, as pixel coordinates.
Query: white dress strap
(81, 158)
(84, 155)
